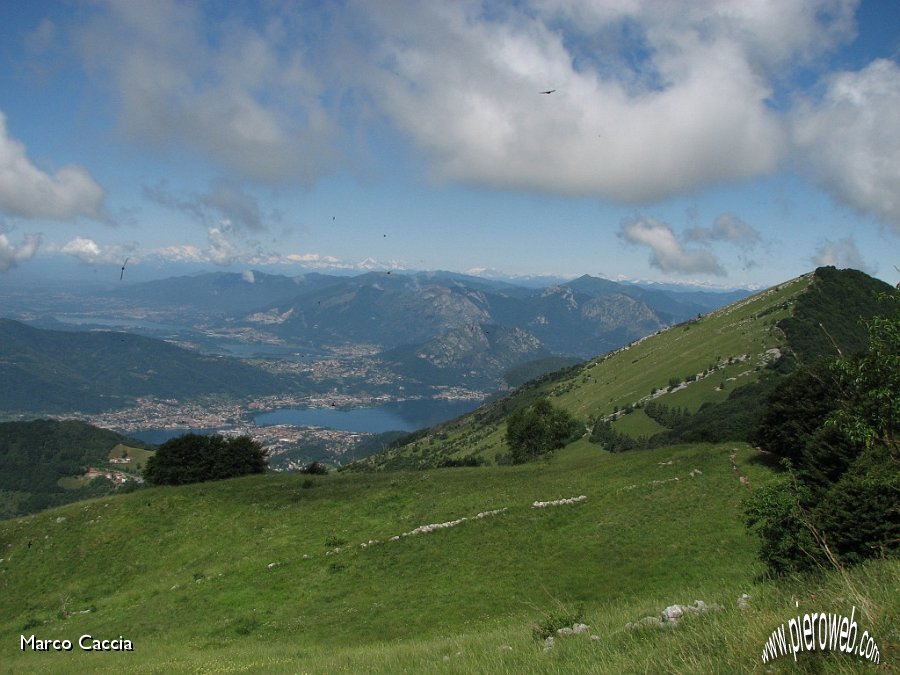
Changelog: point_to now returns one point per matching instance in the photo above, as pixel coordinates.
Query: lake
(159, 436)
(397, 416)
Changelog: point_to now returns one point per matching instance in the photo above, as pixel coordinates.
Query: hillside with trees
(35, 456)
(577, 559)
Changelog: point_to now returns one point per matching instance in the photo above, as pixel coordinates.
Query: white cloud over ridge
(667, 253)
(90, 252)
(28, 192)
(841, 254)
(850, 140)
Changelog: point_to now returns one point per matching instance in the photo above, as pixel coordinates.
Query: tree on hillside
(539, 429)
(840, 443)
(194, 458)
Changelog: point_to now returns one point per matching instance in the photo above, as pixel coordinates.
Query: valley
(256, 342)
(629, 546)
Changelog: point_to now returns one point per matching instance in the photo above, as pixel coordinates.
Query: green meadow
(267, 573)
(401, 567)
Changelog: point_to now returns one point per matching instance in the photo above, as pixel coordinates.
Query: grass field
(717, 352)
(245, 575)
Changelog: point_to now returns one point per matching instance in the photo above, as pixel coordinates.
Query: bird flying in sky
(122, 273)
(549, 91)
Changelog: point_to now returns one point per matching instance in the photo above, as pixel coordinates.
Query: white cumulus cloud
(667, 253)
(90, 252)
(27, 191)
(850, 140)
(682, 102)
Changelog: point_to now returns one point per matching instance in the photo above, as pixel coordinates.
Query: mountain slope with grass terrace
(712, 360)
(686, 365)
(582, 561)
(422, 571)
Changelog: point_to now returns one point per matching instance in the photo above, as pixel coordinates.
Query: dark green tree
(837, 428)
(194, 458)
(538, 430)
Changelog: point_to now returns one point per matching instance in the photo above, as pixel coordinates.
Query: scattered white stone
(696, 472)
(273, 564)
(305, 557)
(595, 638)
(559, 502)
(743, 602)
(506, 648)
(61, 519)
(549, 643)
(174, 588)
(672, 613)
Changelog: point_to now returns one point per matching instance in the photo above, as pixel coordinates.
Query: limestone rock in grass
(672, 613)
(595, 638)
(743, 602)
(574, 629)
(549, 643)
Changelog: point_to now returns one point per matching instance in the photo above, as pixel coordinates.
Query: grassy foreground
(245, 575)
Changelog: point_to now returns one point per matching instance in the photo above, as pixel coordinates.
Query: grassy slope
(213, 577)
(185, 572)
(741, 332)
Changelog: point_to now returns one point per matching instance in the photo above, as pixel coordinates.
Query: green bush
(194, 458)
(538, 430)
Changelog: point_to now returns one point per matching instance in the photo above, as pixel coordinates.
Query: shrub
(560, 616)
(538, 430)
(194, 458)
(316, 469)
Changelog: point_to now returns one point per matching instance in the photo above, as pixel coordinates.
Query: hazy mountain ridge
(709, 364)
(63, 371)
(434, 328)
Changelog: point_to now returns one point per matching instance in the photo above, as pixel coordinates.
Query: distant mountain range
(427, 329)
(719, 368)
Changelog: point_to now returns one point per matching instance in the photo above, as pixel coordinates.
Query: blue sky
(728, 143)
